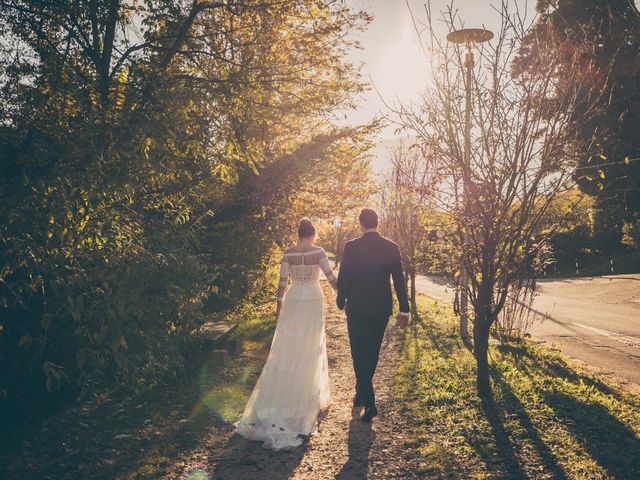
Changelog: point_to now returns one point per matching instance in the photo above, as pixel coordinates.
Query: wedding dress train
(294, 384)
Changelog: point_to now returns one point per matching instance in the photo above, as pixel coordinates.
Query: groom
(365, 290)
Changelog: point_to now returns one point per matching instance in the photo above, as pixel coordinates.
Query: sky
(392, 59)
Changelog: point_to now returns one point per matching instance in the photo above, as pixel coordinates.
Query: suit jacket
(364, 286)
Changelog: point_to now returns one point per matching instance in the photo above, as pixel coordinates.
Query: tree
(520, 147)
(334, 234)
(405, 202)
(150, 156)
(599, 38)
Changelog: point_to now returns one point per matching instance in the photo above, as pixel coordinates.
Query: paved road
(593, 319)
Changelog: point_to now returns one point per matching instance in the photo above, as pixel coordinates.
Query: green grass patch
(547, 419)
(255, 328)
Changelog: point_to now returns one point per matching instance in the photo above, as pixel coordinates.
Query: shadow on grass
(501, 460)
(553, 365)
(546, 419)
(513, 406)
(610, 443)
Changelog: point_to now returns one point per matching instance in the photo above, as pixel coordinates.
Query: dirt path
(343, 448)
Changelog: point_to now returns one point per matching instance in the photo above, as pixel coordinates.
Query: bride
(294, 384)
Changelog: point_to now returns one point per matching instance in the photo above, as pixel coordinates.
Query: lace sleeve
(328, 272)
(284, 278)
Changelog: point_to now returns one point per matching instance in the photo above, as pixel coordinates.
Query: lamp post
(469, 37)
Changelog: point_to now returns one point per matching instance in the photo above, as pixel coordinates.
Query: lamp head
(470, 36)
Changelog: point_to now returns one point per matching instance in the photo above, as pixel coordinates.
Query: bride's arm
(328, 272)
(283, 282)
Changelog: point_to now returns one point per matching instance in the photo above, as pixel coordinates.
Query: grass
(547, 420)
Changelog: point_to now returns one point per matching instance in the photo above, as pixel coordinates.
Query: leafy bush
(142, 193)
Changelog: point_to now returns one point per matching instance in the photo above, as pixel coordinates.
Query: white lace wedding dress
(294, 384)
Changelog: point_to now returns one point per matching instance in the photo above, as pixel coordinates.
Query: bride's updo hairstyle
(306, 229)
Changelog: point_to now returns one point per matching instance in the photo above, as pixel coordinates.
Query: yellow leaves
(93, 95)
(601, 173)
(603, 157)
(123, 76)
(83, 223)
(49, 234)
(96, 241)
(120, 98)
(225, 173)
(52, 220)
(118, 90)
(182, 218)
(146, 146)
(627, 161)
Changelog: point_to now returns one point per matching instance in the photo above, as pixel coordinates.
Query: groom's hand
(402, 320)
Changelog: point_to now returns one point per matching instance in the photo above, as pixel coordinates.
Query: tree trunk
(414, 307)
(481, 331)
(481, 328)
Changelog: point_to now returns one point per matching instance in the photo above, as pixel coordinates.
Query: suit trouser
(365, 337)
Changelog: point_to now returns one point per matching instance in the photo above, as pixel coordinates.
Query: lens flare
(224, 403)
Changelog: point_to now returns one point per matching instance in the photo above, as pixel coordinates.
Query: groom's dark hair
(368, 218)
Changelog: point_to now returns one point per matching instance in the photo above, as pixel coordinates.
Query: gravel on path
(343, 447)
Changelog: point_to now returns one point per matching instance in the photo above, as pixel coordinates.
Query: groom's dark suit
(364, 288)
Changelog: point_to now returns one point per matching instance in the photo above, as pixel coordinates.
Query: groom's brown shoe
(369, 413)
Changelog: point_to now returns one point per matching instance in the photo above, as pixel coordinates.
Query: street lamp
(469, 37)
